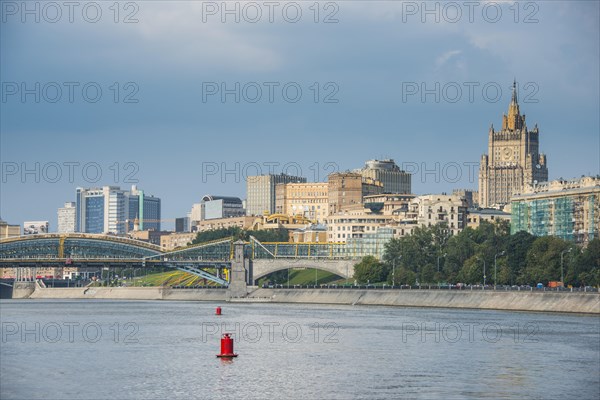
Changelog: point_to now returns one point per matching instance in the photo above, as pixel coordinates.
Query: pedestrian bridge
(88, 250)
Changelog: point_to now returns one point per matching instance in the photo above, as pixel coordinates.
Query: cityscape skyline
(171, 140)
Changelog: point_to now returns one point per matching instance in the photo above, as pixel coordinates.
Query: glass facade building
(112, 210)
(567, 209)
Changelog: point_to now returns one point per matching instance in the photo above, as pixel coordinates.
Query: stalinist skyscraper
(513, 160)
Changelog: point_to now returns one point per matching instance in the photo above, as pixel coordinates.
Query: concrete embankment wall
(518, 301)
(129, 293)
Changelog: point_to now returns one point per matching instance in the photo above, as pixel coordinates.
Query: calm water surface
(159, 349)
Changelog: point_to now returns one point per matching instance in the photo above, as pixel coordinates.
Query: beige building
(491, 215)
(175, 240)
(393, 179)
(245, 222)
(356, 224)
(310, 234)
(432, 209)
(148, 236)
(7, 230)
(513, 161)
(569, 209)
(398, 214)
(388, 204)
(347, 189)
(309, 200)
(260, 192)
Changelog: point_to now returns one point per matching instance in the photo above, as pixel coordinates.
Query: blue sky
(176, 133)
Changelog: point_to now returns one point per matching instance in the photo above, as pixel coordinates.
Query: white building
(67, 218)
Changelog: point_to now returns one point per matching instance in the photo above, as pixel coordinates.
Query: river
(102, 349)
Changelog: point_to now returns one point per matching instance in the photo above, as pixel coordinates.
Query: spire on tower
(514, 92)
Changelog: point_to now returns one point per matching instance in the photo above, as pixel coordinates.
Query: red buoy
(218, 312)
(227, 346)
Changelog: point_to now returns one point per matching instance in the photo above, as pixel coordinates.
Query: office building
(146, 208)
(260, 195)
(112, 210)
(221, 207)
(347, 189)
(393, 179)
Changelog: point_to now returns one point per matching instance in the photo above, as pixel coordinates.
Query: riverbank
(131, 293)
(588, 303)
(491, 300)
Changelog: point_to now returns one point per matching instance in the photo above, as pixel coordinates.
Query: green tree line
(432, 255)
(266, 235)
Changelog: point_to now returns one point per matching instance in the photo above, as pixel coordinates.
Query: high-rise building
(394, 180)
(222, 207)
(112, 210)
(513, 160)
(260, 192)
(348, 189)
(182, 224)
(67, 218)
(567, 209)
(145, 207)
(306, 199)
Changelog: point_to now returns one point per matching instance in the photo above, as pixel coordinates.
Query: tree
(269, 235)
(427, 274)
(403, 277)
(369, 269)
(516, 255)
(585, 269)
(214, 234)
(544, 260)
(472, 271)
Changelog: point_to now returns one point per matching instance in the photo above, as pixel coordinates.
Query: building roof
(227, 199)
(487, 211)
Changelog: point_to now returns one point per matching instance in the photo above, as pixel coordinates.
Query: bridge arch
(61, 246)
(342, 268)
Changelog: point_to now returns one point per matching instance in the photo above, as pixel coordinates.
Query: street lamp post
(562, 275)
(438, 260)
(394, 271)
(483, 259)
(495, 269)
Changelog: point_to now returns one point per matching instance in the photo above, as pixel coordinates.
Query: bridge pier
(22, 290)
(239, 272)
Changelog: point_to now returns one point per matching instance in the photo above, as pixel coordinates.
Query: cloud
(445, 57)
